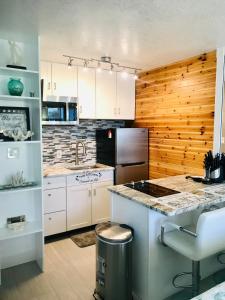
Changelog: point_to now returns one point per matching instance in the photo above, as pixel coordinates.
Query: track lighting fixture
(104, 63)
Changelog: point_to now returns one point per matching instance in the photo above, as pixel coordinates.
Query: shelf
(30, 228)
(18, 190)
(14, 143)
(20, 71)
(9, 97)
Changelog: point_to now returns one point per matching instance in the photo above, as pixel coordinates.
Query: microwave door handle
(67, 111)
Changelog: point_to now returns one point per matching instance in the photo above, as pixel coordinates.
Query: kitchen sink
(82, 167)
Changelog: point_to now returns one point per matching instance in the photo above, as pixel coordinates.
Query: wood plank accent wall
(176, 103)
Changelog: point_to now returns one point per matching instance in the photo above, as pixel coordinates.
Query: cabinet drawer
(54, 182)
(54, 200)
(55, 223)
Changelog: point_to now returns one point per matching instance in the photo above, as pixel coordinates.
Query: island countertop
(192, 195)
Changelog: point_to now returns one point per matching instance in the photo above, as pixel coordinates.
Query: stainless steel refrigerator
(125, 149)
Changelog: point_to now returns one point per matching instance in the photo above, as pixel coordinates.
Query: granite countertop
(62, 170)
(215, 293)
(192, 195)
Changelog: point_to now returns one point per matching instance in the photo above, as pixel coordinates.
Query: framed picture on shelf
(13, 118)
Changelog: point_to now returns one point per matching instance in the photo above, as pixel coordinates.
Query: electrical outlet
(59, 154)
(13, 153)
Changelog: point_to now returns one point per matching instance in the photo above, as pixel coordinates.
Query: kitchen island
(154, 265)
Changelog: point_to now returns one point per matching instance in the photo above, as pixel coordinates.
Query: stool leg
(195, 278)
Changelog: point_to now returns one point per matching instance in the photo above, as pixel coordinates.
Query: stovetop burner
(151, 189)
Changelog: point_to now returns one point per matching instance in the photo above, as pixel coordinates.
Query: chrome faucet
(78, 143)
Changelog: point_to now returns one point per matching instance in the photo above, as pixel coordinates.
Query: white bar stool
(208, 239)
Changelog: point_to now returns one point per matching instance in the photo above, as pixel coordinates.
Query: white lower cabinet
(78, 206)
(88, 204)
(100, 202)
(55, 222)
(70, 204)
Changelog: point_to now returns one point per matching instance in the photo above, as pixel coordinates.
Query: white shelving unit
(17, 247)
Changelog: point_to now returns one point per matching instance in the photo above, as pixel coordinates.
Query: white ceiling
(144, 33)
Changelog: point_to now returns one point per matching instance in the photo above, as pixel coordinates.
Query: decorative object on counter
(16, 223)
(15, 87)
(17, 181)
(16, 56)
(14, 118)
(17, 134)
(214, 169)
(32, 94)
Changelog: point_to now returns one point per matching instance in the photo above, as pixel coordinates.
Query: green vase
(15, 87)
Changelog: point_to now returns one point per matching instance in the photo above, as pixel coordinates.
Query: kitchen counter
(193, 195)
(62, 170)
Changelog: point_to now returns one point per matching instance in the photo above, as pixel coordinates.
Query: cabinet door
(55, 223)
(46, 76)
(78, 206)
(125, 97)
(86, 93)
(105, 95)
(64, 80)
(101, 208)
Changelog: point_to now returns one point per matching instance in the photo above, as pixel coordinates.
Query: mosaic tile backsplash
(64, 138)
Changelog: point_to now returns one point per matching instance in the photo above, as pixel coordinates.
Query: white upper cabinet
(101, 95)
(125, 97)
(86, 93)
(58, 81)
(105, 95)
(64, 80)
(46, 76)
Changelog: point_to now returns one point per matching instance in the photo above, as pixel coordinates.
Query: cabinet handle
(49, 182)
(89, 193)
(115, 111)
(118, 110)
(81, 109)
(50, 219)
(94, 192)
(49, 85)
(49, 195)
(54, 85)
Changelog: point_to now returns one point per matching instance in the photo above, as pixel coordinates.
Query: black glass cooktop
(151, 189)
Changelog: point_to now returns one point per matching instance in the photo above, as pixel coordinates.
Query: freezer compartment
(131, 145)
(133, 172)
(106, 146)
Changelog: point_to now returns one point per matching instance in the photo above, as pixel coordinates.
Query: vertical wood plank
(177, 104)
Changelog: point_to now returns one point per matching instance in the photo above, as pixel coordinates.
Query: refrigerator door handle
(133, 164)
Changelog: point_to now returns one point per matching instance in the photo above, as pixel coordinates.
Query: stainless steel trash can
(113, 261)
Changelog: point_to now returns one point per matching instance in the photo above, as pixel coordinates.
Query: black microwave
(59, 112)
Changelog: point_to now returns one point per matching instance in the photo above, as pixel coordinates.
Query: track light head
(70, 60)
(99, 68)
